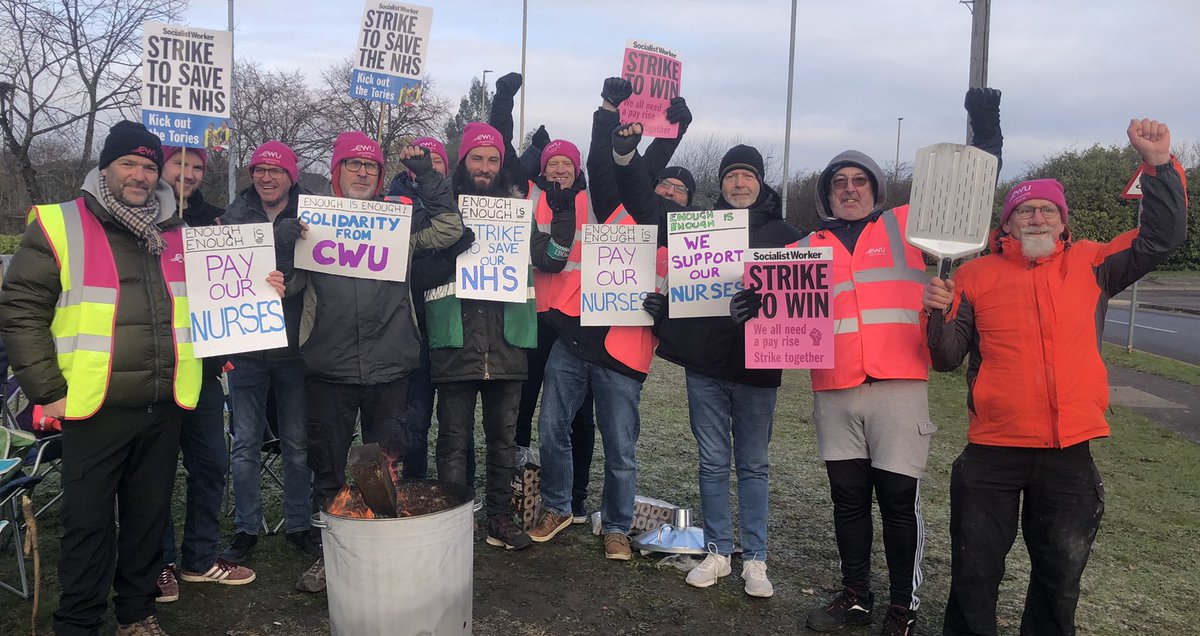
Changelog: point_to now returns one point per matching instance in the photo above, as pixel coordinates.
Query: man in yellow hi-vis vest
(95, 317)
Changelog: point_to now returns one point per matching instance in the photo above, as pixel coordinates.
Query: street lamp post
(896, 167)
(483, 94)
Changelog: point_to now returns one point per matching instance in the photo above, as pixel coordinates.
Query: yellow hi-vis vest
(85, 316)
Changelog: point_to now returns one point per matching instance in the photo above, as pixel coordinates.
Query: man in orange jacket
(1030, 314)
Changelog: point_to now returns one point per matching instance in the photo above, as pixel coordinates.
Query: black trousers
(456, 425)
(332, 410)
(122, 459)
(1063, 503)
(851, 483)
(583, 427)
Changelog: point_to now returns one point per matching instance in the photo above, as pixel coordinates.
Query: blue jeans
(206, 458)
(719, 409)
(617, 398)
(249, 381)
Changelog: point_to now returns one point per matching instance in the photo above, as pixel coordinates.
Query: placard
(794, 327)
(496, 267)
(355, 238)
(233, 308)
(656, 73)
(390, 54)
(187, 74)
(706, 251)
(617, 272)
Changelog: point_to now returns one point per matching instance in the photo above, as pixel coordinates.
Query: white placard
(390, 52)
(355, 238)
(187, 74)
(706, 248)
(233, 308)
(496, 267)
(618, 264)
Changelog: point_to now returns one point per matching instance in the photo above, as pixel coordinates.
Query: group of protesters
(90, 314)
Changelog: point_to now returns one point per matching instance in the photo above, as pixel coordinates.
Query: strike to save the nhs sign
(355, 238)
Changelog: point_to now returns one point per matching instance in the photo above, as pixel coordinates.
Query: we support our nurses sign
(350, 237)
(390, 55)
(655, 73)
(794, 328)
(186, 77)
(617, 272)
(706, 252)
(496, 267)
(233, 309)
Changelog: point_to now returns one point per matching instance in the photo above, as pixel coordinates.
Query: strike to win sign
(496, 267)
(794, 328)
(618, 271)
(655, 73)
(186, 77)
(359, 239)
(233, 308)
(707, 248)
(389, 58)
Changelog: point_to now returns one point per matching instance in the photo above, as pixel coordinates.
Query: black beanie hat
(744, 157)
(131, 138)
(681, 173)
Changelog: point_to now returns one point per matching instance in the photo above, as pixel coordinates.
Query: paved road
(1174, 335)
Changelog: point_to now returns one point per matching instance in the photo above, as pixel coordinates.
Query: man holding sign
(732, 408)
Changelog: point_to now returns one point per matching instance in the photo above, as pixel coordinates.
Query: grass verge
(1152, 364)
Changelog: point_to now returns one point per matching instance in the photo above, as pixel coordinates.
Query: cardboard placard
(794, 328)
(390, 53)
(496, 267)
(706, 251)
(187, 74)
(656, 73)
(355, 238)
(618, 264)
(233, 308)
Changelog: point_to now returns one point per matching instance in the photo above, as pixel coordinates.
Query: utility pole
(896, 168)
(524, 79)
(787, 133)
(483, 95)
(981, 24)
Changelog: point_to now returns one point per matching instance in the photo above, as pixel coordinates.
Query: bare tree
(702, 158)
(278, 105)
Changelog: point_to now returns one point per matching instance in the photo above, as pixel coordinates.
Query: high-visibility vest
(560, 290)
(876, 306)
(634, 346)
(85, 316)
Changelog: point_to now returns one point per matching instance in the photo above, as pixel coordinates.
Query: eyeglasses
(680, 188)
(273, 173)
(859, 180)
(355, 165)
(1025, 212)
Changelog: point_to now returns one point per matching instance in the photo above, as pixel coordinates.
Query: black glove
(616, 90)
(745, 305)
(561, 201)
(462, 244)
(679, 113)
(286, 233)
(983, 110)
(508, 85)
(421, 164)
(623, 145)
(540, 138)
(655, 304)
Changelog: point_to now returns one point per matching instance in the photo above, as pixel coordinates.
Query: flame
(348, 503)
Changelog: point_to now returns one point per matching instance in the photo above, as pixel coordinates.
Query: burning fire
(349, 503)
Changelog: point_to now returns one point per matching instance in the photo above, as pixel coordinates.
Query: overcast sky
(1072, 71)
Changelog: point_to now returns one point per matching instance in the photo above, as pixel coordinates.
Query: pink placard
(655, 73)
(794, 328)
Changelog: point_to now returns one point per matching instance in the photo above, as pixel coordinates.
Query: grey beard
(1037, 246)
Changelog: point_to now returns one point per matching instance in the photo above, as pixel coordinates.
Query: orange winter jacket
(1032, 329)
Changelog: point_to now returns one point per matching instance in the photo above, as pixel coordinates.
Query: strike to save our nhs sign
(706, 250)
(391, 51)
(233, 309)
(355, 238)
(187, 74)
(496, 267)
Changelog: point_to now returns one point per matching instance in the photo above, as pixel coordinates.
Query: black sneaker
(503, 532)
(239, 548)
(304, 541)
(845, 609)
(900, 621)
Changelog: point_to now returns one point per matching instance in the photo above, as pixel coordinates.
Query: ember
(349, 503)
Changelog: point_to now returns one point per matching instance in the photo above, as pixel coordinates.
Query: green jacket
(478, 339)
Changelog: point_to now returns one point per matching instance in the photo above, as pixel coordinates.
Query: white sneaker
(754, 573)
(713, 567)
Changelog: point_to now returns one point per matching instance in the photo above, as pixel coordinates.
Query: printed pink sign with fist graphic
(794, 326)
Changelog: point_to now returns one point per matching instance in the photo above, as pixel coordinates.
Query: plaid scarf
(139, 220)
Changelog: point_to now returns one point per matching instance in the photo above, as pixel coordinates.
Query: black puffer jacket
(714, 346)
(143, 357)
